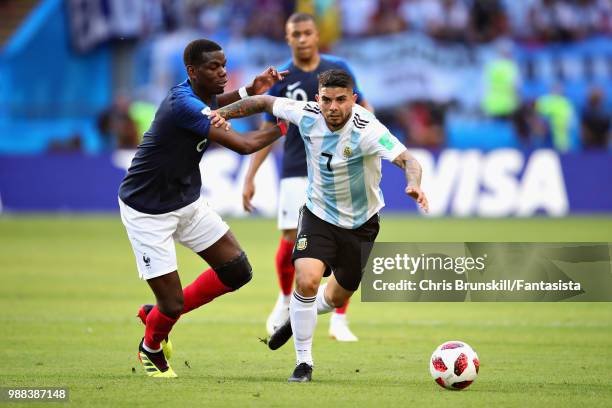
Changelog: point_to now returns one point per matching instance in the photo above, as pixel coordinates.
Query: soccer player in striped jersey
(344, 146)
(301, 83)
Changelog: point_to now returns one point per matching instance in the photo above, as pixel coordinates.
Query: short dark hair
(194, 50)
(300, 17)
(335, 78)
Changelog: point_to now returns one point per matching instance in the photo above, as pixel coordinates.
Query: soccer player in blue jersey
(301, 84)
(160, 201)
(344, 146)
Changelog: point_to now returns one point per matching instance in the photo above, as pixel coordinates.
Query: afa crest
(301, 244)
(347, 152)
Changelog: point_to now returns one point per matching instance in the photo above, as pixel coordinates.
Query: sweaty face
(210, 76)
(303, 38)
(336, 105)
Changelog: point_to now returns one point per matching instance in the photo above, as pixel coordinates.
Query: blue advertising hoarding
(499, 183)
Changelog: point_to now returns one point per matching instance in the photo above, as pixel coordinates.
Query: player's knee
(307, 285)
(235, 273)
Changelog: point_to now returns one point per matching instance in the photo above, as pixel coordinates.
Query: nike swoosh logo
(201, 145)
(294, 85)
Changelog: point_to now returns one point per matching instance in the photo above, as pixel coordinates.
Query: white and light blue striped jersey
(344, 167)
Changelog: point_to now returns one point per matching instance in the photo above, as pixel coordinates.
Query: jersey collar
(213, 100)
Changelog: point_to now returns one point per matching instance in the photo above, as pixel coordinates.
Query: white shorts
(292, 196)
(152, 236)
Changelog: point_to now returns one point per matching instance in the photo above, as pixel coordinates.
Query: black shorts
(344, 251)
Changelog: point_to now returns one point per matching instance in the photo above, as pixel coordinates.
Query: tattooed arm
(245, 143)
(247, 107)
(258, 139)
(412, 170)
(252, 141)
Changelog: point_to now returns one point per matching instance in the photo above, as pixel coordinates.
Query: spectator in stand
(173, 13)
(268, 20)
(118, 129)
(423, 124)
(502, 80)
(387, 19)
(416, 13)
(208, 15)
(595, 122)
(328, 18)
(488, 20)
(553, 20)
(530, 127)
(517, 13)
(356, 15)
(448, 20)
(592, 17)
(142, 114)
(605, 7)
(559, 113)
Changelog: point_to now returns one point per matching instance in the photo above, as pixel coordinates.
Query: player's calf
(166, 344)
(335, 300)
(172, 307)
(168, 293)
(335, 294)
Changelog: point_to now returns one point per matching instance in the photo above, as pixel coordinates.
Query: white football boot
(338, 328)
(279, 314)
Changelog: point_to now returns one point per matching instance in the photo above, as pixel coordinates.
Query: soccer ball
(454, 365)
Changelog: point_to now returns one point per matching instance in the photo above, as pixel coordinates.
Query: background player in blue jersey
(301, 84)
(160, 201)
(339, 222)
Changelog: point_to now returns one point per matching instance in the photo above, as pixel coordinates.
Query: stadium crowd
(450, 20)
(547, 119)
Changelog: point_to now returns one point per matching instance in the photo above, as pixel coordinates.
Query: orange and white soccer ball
(454, 365)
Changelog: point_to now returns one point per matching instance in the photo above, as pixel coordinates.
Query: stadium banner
(415, 67)
(93, 22)
(488, 272)
(498, 183)
(395, 69)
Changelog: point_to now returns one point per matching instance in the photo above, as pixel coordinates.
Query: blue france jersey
(302, 86)
(165, 172)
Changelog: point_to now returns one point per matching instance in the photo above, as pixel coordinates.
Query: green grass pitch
(69, 292)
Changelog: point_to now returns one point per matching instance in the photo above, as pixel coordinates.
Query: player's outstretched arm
(413, 171)
(260, 85)
(248, 142)
(246, 107)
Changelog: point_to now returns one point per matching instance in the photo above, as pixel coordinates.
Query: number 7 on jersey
(329, 159)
